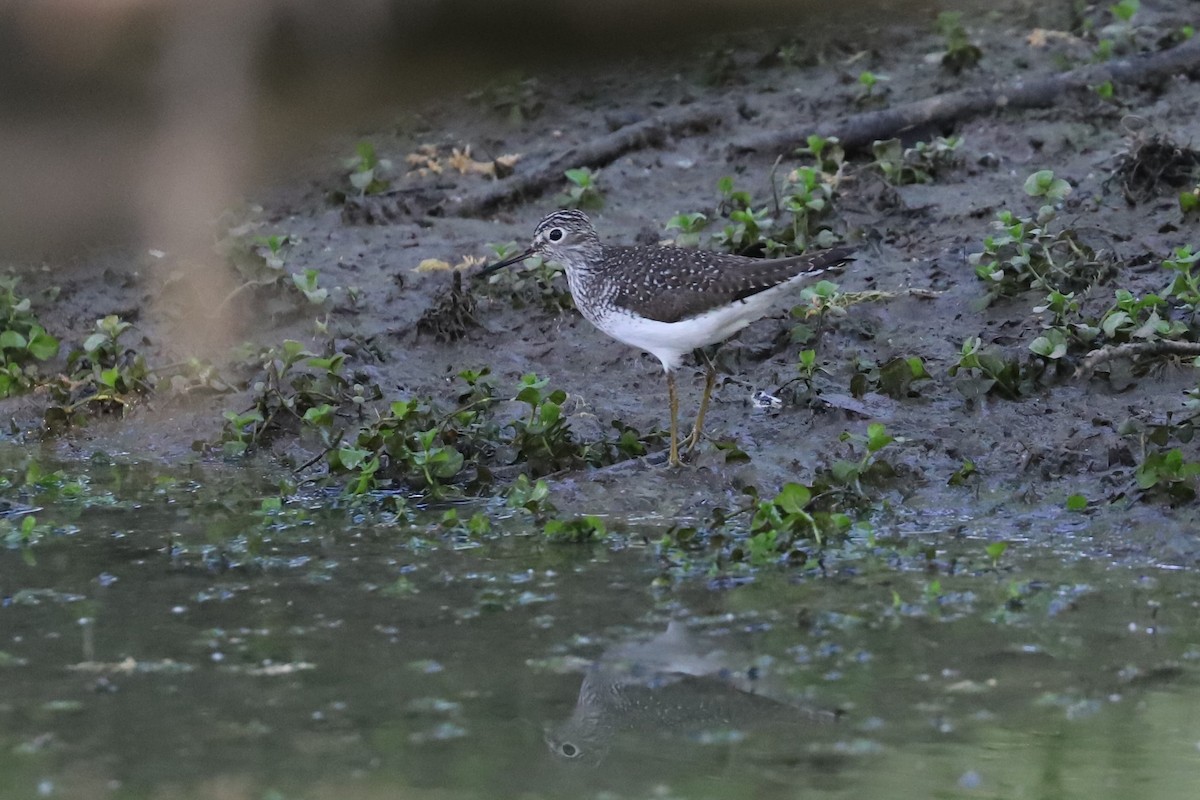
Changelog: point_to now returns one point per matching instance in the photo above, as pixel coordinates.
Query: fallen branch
(596, 153)
(860, 130)
(1132, 350)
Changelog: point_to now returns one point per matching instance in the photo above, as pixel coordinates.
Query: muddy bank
(991, 461)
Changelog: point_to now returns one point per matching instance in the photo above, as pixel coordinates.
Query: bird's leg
(710, 380)
(674, 400)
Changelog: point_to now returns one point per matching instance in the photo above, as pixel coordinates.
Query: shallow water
(165, 636)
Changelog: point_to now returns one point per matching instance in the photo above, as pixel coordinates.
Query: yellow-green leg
(710, 380)
(674, 400)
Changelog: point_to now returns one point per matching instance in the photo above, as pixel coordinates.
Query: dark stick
(860, 130)
(596, 153)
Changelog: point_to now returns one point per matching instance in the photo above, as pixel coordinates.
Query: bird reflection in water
(678, 687)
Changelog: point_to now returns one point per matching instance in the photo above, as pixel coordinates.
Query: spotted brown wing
(669, 284)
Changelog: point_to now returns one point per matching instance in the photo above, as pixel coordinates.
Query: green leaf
(448, 463)
(550, 413)
(94, 342)
(1077, 502)
(996, 549)
(352, 458)
(42, 345)
(793, 497)
(878, 437)
(11, 340)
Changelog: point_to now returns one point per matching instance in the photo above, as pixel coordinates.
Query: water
(166, 637)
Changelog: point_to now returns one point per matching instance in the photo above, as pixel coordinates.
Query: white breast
(669, 342)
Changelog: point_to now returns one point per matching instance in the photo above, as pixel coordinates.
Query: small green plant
(276, 247)
(529, 496)
(306, 282)
(576, 530)
(961, 53)
(1027, 253)
(1185, 286)
(103, 376)
(1166, 472)
(917, 164)
(981, 371)
(1189, 201)
(870, 88)
(583, 190)
(851, 473)
(369, 174)
(1043, 183)
(1125, 10)
(543, 439)
(827, 152)
(690, 227)
(781, 525)
(23, 341)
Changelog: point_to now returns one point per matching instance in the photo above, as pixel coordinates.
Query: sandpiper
(667, 301)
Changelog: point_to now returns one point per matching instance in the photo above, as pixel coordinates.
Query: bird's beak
(488, 270)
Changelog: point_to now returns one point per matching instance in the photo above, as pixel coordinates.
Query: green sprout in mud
(531, 496)
(294, 382)
(1189, 201)
(543, 439)
(1104, 90)
(961, 53)
(369, 174)
(306, 282)
(276, 248)
(827, 152)
(583, 190)
(893, 378)
(1125, 10)
(1167, 473)
(576, 530)
(852, 473)
(1185, 286)
(917, 164)
(870, 90)
(1027, 253)
(821, 299)
(982, 371)
(23, 341)
(690, 227)
(102, 376)
(782, 526)
(798, 220)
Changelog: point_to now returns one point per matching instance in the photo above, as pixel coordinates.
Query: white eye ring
(556, 234)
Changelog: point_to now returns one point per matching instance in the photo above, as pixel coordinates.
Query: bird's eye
(555, 234)
(569, 750)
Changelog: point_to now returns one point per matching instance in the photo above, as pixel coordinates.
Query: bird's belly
(669, 342)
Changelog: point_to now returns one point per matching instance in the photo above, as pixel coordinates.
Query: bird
(676, 684)
(667, 301)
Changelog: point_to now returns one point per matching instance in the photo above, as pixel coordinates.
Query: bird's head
(563, 236)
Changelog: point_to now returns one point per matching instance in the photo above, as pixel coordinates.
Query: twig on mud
(1131, 350)
(596, 153)
(860, 130)
(245, 287)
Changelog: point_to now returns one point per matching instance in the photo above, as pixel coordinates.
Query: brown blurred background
(138, 121)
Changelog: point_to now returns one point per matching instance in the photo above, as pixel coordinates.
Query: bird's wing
(680, 284)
